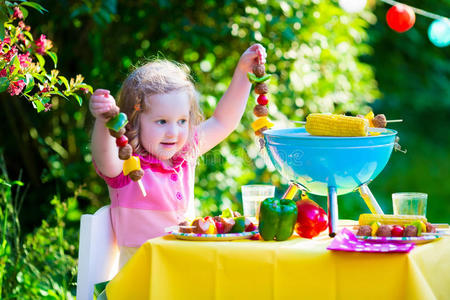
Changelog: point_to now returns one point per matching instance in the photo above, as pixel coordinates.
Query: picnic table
(168, 268)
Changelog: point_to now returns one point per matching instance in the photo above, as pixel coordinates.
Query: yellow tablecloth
(166, 268)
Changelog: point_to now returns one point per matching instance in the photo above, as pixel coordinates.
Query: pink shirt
(136, 218)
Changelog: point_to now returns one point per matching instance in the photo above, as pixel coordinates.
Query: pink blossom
(10, 54)
(45, 90)
(21, 25)
(25, 59)
(3, 72)
(5, 41)
(47, 106)
(43, 44)
(16, 87)
(17, 13)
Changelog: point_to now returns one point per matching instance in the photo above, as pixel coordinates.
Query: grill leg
(332, 211)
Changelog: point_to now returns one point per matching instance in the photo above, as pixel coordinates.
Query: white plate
(213, 237)
(414, 239)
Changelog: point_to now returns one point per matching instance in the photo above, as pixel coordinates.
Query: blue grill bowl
(319, 162)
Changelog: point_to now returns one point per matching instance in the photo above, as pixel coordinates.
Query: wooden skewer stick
(370, 129)
(141, 186)
(436, 233)
(387, 121)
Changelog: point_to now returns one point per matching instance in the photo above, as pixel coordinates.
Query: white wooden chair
(98, 255)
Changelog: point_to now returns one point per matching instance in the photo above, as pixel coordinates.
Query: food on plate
(384, 230)
(204, 226)
(185, 227)
(311, 219)
(410, 231)
(239, 225)
(224, 225)
(413, 229)
(336, 125)
(368, 219)
(277, 218)
(397, 231)
(364, 230)
(430, 227)
(228, 222)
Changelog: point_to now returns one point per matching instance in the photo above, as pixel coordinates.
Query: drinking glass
(252, 196)
(409, 204)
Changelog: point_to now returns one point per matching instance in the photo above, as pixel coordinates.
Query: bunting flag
(401, 17)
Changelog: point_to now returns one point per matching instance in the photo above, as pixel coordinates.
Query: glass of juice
(252, 196)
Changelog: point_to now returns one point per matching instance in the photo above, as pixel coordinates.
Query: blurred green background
(323, 59)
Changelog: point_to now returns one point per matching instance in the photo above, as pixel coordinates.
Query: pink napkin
(347, 241)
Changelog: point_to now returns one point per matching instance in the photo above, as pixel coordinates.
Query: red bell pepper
(311, 219)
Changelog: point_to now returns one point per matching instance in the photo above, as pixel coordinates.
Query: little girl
(168, 135)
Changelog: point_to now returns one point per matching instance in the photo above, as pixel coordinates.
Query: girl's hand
(101, 101)
(254, 55)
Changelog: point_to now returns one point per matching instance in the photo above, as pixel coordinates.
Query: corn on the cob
(336, 125)
(369, 219)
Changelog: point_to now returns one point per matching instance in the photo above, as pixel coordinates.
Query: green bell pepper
(118, 122)
(277, 218)
(254, 79)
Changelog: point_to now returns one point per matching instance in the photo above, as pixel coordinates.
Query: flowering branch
(23, 59)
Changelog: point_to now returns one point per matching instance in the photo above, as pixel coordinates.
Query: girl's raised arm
(232, 105)
(103, 146)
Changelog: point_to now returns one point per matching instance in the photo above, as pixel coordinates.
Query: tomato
(121, 141)
(262, 99)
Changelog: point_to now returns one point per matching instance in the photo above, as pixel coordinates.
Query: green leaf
(40, 77)
(17, 182)
(64, 80)
(24, 12)
(60, 94)
(3, 19)
(2, 30)
(79, 99)
(39, 106)
(54, 57)
(40, 59)
(16, 64)
(35, 6)
(4, 83)
(30, 83)
(28, 35)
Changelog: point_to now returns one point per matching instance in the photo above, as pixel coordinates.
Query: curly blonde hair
(159, 76)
